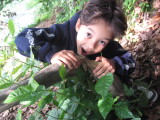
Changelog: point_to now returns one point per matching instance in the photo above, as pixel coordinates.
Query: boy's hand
(67, 58)
(104, 67)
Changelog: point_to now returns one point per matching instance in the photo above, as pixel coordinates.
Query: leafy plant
(65, 9)
(145, 6)
(3, 3)
(128, 5)
(19, 68)
(7, 50)
(77, 98)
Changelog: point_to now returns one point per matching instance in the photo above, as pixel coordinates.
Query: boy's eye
(102, 42)
(88, 35)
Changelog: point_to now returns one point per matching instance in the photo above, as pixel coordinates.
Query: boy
(89, 33)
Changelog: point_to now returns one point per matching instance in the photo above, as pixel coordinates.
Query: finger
(58, 62)
(100, 71)
(101, 75)
(66, 62)
(105, 70)
(97, 68)
(110, 69)
(104, 73)
(101, 66)
(73, 59)
(113, 70)
(98, 59)
(72, 55)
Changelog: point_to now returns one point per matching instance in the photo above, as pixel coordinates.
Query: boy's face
(92, 39)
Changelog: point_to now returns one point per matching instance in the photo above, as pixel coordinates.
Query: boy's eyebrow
(107, 39)
(91, 30)
(94, 32)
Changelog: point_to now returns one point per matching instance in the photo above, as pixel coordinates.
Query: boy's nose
(91, 46)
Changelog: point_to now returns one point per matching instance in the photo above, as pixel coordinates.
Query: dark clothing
(47, 41)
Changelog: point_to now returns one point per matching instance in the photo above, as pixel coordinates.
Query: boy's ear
(78, 25)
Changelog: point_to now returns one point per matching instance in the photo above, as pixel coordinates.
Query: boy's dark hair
(108, 10)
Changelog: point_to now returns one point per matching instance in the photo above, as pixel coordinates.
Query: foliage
(129, 6)
(11, 76)
(62, 9)
(8, 48)
(67, 9)
(4, 2)
(77, 98)
(145, 6)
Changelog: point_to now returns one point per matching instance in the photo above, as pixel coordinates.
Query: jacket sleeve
(41, 40)
(123, 59)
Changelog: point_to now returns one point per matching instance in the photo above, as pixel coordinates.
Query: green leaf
(45, 100)
(35, 69)
(19, 94)
(141, 83)
(105, 105)
(54, 114)
(62, 115)
(11, 27)
(103, 84)
(62, 95)
(31, 56)
(82, 118)
(24, 68)
(62, 72)
(55, 102)
(122, 111)
(33, 83)
(80, 74)
(36, 116)
(33, 96)
(6, 38)
(143, 100)
(128, 91)
(19, 115)
(136, 119)
(140, 113)
(70, 105)
(16, 69)
(5, 83)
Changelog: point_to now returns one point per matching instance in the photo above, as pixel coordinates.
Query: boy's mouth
(83, 51)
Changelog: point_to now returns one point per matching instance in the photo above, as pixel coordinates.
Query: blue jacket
(47, 41)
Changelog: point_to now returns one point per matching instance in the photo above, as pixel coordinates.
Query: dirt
(47, 23)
